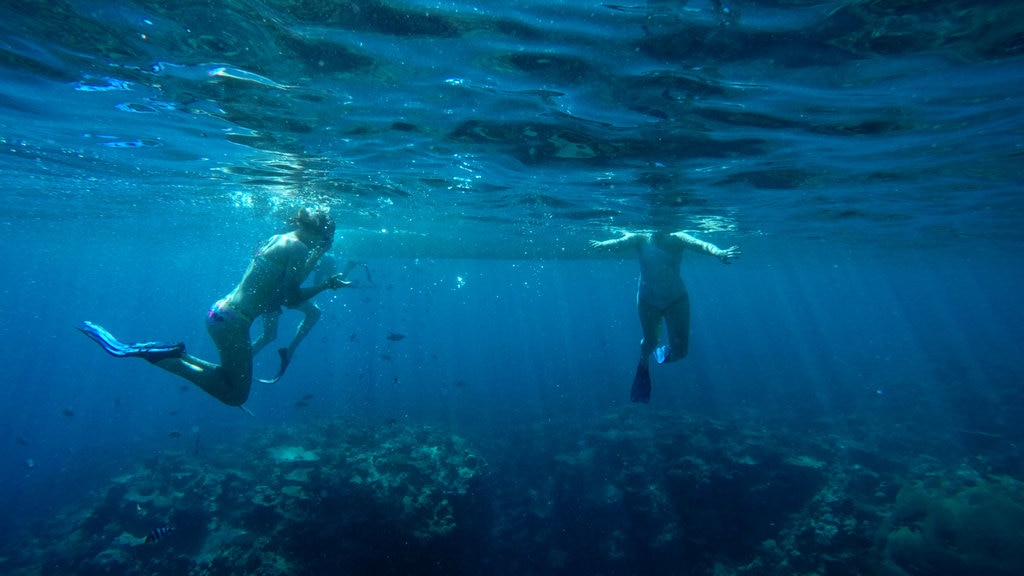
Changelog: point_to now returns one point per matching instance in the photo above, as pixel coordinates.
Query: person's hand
(337, 281)
(727, 255)
(596, 243)
(316, 252)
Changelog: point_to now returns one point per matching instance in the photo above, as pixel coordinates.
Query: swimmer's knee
(235, 391)
(235, 398)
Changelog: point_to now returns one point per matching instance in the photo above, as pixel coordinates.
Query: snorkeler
(311, 313)
(273, 278)
(661, 295)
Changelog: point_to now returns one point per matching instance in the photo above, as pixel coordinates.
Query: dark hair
(317, 221)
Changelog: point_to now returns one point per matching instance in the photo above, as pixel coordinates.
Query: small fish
(68, 412)
(21, 440)
(395, 336)
(174, 434)
(158, 533)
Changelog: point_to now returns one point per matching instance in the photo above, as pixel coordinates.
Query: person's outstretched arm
(726, 256)
(304, 293)
(627, 240)
(295, 294)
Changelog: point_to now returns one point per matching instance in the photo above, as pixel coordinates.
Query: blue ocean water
(866, 157)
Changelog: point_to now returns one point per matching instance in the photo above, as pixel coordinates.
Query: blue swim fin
(150, 351)
(641, 391)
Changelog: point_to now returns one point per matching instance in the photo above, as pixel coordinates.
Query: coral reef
(956, 524)
(636, 492)
(275, 504)
(705, 497)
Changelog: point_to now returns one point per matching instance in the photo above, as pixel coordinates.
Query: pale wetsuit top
(660, 283)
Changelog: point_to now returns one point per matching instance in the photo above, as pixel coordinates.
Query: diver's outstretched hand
(338, 281)
(604, 243)
(627, 239)
(729, 254)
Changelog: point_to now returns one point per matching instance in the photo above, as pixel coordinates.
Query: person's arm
(627, 240)
(294, 293)
(306, 266)
(726, 256)
(301, 294)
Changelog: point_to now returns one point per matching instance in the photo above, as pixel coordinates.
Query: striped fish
(158, 533)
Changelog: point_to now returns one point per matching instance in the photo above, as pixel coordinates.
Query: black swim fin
(641, 391)
(150, 351)
(285, 360)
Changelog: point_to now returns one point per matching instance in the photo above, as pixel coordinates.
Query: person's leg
(677, 321)
(269, 334)
(228, 382)
(650, 323)
(235, 347)
(205, 375)
(311, 315)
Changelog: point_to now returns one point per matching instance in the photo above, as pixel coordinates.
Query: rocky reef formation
(962, 523)
(636, 492)
(286, 501)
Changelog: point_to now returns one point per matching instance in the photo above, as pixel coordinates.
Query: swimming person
(661, 295)
(311, 313)
(273, 278)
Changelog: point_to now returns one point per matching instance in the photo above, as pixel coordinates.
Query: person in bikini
(325, 268)
(661, 295)
(273, 279)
